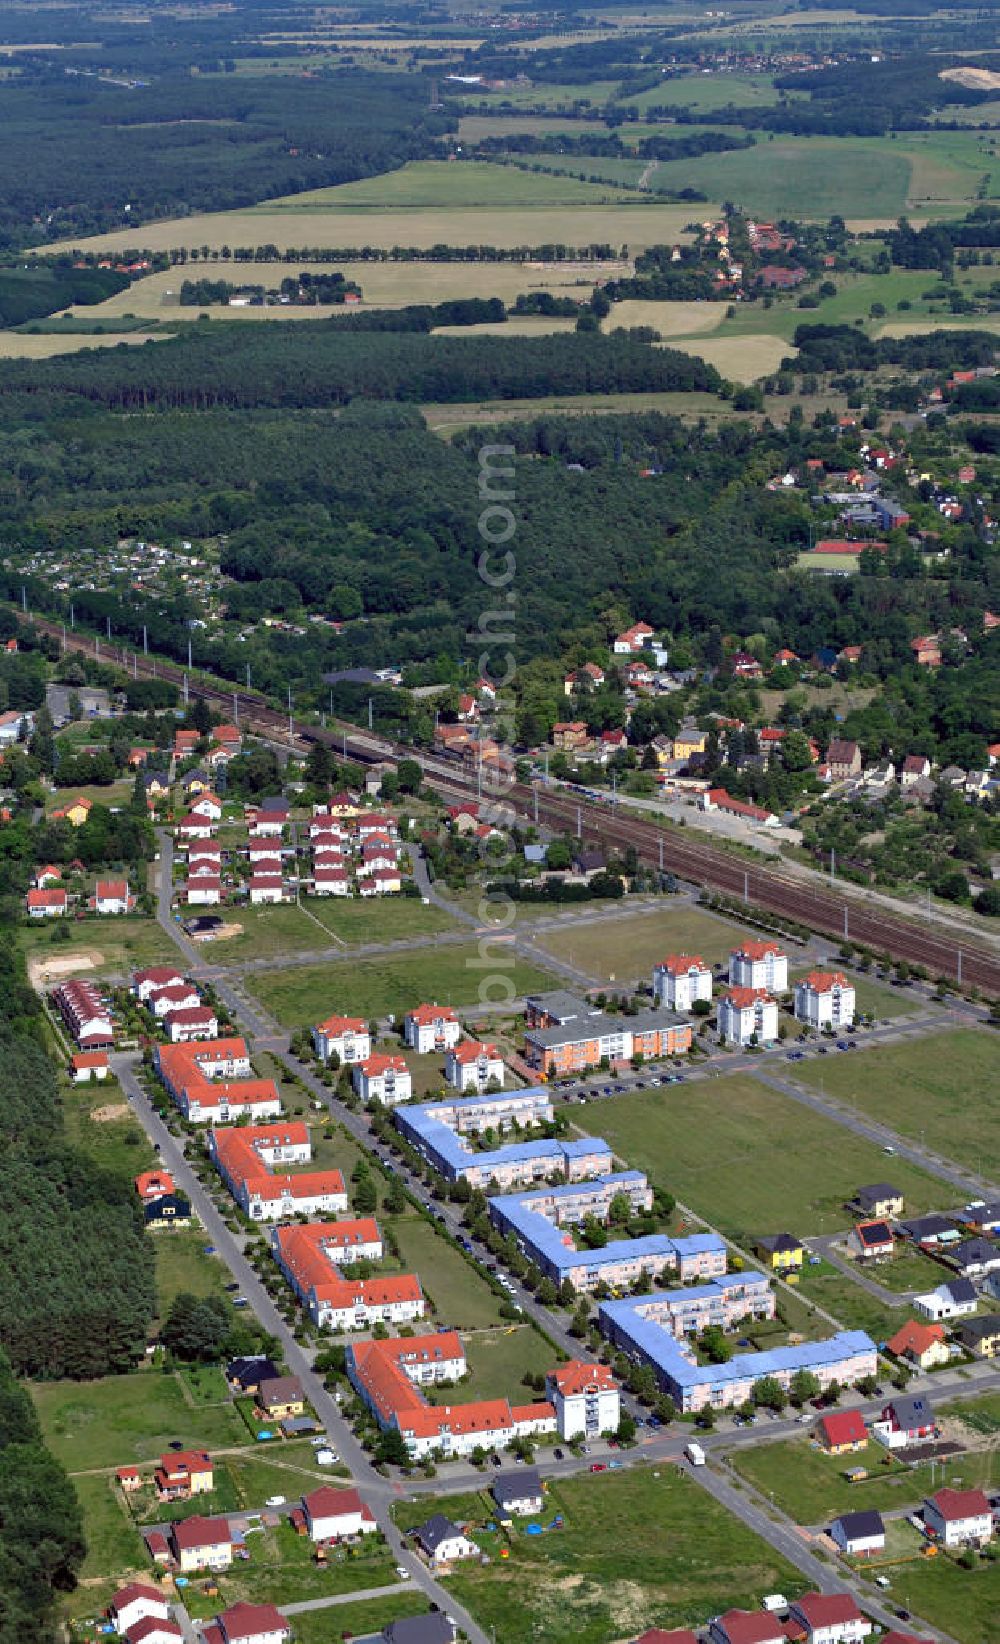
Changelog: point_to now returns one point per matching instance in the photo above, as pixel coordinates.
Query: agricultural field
(306, 993)
(449, 419)
(708, 92)
(734, 1150)
(931, 1090)
(385, 285)
(126, 1419)
(433, 184)
(675, 1557)
(740, 359)
(669, 319)
(29, 345)
(626, 947)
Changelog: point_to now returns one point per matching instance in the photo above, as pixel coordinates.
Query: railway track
(824, 909)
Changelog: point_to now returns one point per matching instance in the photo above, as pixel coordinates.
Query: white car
(275, 1501)
(402, 1572)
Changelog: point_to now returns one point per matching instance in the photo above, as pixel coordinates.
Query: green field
(940, 1089)
(853, 1307)
(742, 1155)
(872, 998)
(119, 1143)
(709, 92)
(461, 1298)
(451, 975)
(430, 184)
(966, 1602)
(498, 1362)
(114, 1545)
(811, 1487)
(356, 1620)
(627, 946)
(181, 1264)
(636, 1549)
(126, 1419)
(325, 922)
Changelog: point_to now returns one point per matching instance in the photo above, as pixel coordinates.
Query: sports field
(742, 1155)
(305, 994)
(941, 1089)
(626, 948)
(635, 1549)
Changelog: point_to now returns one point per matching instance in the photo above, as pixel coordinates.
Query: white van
(695, 1454)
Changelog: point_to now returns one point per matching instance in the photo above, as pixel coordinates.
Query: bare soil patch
(109, 1113)
(68, 964)
(977, 79)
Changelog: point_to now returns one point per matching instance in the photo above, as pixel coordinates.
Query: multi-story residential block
(312, 1259)
(211, 1082)
(586, 1399)
(590, 1040)
(748, 1016)
(347, 1037)
(85, 1014)
(471, 1065)
(635, 1326)
(384, 1079)
(430, 1028)
(825, 999)
(681, 980)
(541, 1220)
(759, 965)
(389, 1375)
(249, 1159)
(438, 1131)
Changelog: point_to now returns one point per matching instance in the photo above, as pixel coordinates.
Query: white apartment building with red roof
(748, 1015)
(825, 999)
(347, 1037)
(472, 1064)
(382, 1078)
(430, 1028)
(249, 1160)
(759, 965)
(681, 979)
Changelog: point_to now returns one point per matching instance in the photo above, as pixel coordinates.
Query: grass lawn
(356, 1620)
(709, 92)
(911, 1270)
(872, 998)
(123, 1419)
(966, 1602)
(674, 1557)
(831, 1289)
(356, 920)
(281, 1570)
(116, 946)
(498, 1362)
(932, 1090)
(118, 1144)
(113, 793)
(626, 947)
(181, 1264)
(746, 1157)
(373, 987)
(461, 1298)
(811, 1487)
(278, 1470)
(114, 1545)
(267, 933)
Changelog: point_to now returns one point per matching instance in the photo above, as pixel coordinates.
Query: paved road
(343, 1598)
(377, 1490)
(825, 1245)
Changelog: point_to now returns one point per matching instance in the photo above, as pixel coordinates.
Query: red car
(598, 1467)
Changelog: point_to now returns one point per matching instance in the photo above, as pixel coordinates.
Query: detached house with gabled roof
(905, 1420)
(47, 904)
(922, 1345)
(830, 1618)
(747, 1627)
(336, 1515)
(859, 1535)
(841, 1431)
(959, 1518)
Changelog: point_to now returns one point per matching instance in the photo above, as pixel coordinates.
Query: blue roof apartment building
(541, 1221)
(438, 1131)
(642, 1327)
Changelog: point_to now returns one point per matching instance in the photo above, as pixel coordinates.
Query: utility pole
(845, 925)
(535, 793)
(579, 823)
(248, 676)
(109, 627)
(746, 884)
(145, 641)
(190, 664)
(959, 978)
(72, 617)
(371, 716)
(661, 855)
(64, 639)
(236, 709)
(24, 598)
(185, 690)
(289, 713)
(833, 863)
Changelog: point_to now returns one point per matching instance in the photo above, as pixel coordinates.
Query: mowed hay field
(669, 319)
(941, 1090)
(24, 345)
(750, 1160)
(743, 359)
(426, 204)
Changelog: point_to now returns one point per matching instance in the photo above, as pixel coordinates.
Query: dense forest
(76, 1286)
(41, 1532)
(170, 148)
(330, 363)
